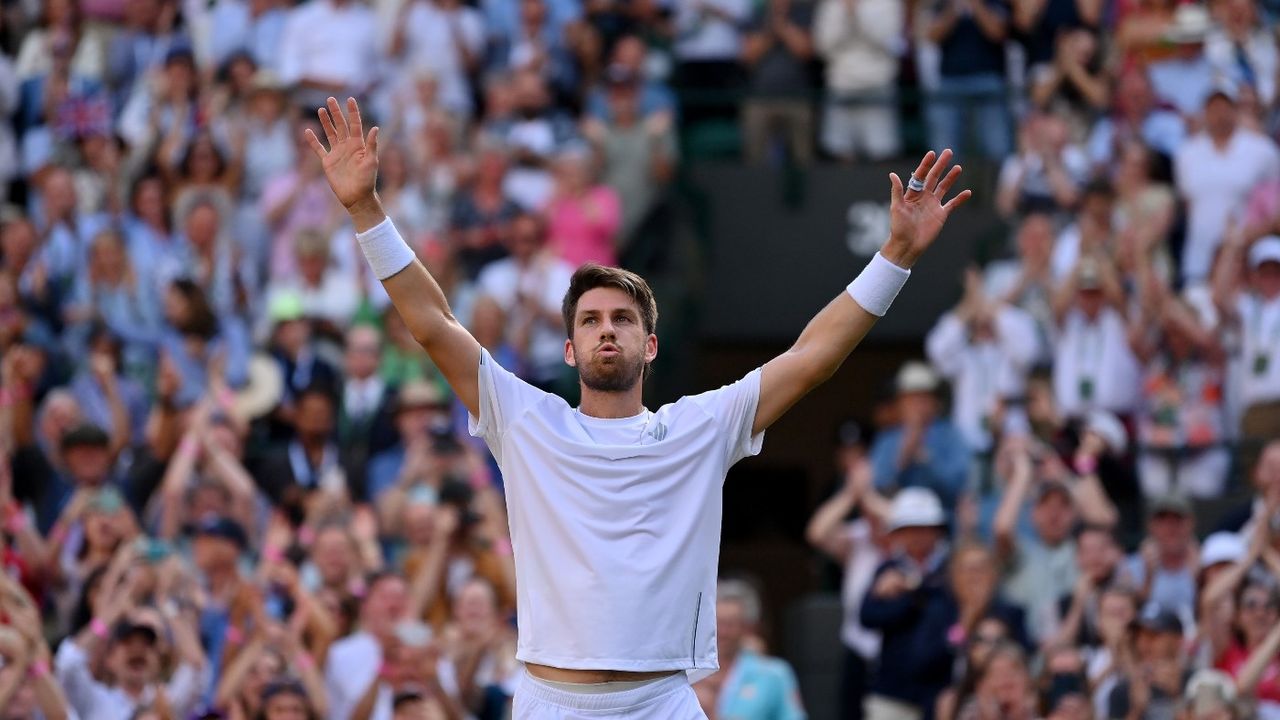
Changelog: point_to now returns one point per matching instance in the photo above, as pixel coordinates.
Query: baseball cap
(916, 507)
(1171, 504)
(1222, 547)
(85, 434)
(916, 376)
(221, 527)
(1156, 618)
(126, 629)
(1265, 250)
(1051, 487)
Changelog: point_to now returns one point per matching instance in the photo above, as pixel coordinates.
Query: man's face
(332, 555)
(59, 194)
(1091, 302)
(1096, 555)
(1266, 279)
(88, 464)
(362, 353)
(213, 554)
(315, 417)
(610, 346)
(384, 606)
(1053, 517)
(917, 408)
(525, 238)
(918, 542)
(731, 625)
(1220, 117)
(18, 239)
(135, 661)
(202, 226)
(1170, 530)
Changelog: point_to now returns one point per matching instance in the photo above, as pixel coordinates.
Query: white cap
(1222, 547)
(1265, 250)
(1209, 688)
(1110, 429)
(916, 507)
(916, 376)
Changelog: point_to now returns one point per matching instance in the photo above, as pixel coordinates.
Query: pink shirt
(582, 229)
(315, 207)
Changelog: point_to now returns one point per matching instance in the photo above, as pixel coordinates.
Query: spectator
(1073, 84)
(915, 660)
(1164, 569)
(859, 546)
(146, 38)
(1180, 73)
(748, 685)
(1254, 309)
(1155, 671)
(483, 650)
(583, 216)
(1049, 172)
(420, 408)
(971, 95)
(1093, 368)
(777, 116)
(861, 44)
(61, 30)
(638, 153)
(254, 27)
(445, 39)
(1135, 115)
(985, 350)
(989, 634)
(537, 134)
(521, 296)
(708, 49)
(1215, 169)
(926, 450)
(653, 97)
(328, 47)
(1003, 688)
(482, 214)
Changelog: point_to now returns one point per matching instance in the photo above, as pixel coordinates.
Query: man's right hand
(351, 162)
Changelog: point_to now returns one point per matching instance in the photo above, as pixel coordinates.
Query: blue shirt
(944, 468)
(760, 688)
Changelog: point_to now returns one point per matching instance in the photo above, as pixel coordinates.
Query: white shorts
(670, 698)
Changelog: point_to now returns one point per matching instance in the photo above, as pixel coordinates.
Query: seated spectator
(537, 134)
(1164, 569)
(548, 39)
(1048, 173)
(1026, 280)
(518, 308)
(583, 215)
(61, 24)
(638, 152)
(861, 44)
(1242, 50)
(748, 685)
(423, 436)
(777, 116)
(149, 31)
(1085, 618)
(365, 413)
(971, 95)
(252, 27)
(1146, 206)
(1215, 170)
(652, 96)
(1135, 115)
(926, 450)
(165, 112)
(1073, 84)
(328, 48)
(293, 201)
(1154, 671)
(110, 292)
(859, 546)
(915, 659)
(1003, 687)
(326, 293)
(978, 645)
(309, 464)
(985, 350)
(482, 647)
(1181, 75)
(482, 214)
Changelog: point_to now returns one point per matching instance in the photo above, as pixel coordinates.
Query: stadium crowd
(234, 486)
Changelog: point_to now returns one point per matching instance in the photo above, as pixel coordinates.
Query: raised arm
(916, 218)
(351, 166)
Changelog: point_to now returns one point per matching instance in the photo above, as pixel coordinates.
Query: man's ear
(568, 354)
(651, 348)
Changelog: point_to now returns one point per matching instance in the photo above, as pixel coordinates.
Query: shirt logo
(659, 432)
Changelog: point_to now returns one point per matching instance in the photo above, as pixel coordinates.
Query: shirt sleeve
(734, 408)
(503, 399)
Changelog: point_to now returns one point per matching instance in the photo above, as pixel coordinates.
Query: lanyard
(1256, 327)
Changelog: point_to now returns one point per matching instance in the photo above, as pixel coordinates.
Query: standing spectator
(861, 42)
(537, 134)
(365, 422)
(583, 216)
(971, 94)
(708, 49)
(985, 350)
(328, 47)
(654, 96)
(1074, 83)
(1154, 671)
(482, 214)
(253, 27)
(1048, 173)
(777, 116)
(1242, 49)
(639, 151)
(748, 685)
(144, 41)
(1135, 116)
(1093, 366)
(915, 659)
(1026, 281)
(1215, 171)
(1254, 308)
(445, 39)
(858, 545)
(521, 295)
(1164, 569)
(926, 450)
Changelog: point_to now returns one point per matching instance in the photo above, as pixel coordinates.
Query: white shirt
(431, 45)
(1259, 51)
(615, 522)
(1260, 348)
(703, 36)
(360, 398)
(1095, 356)
(1216, 185)
(353, 664)
(983, 373)
(859, 571)
(334, 44)
(546, 280)
(95, 701)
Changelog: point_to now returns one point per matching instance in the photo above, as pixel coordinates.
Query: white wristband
(385, 250)
(877, 285)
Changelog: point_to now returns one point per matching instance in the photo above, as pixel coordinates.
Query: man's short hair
(741, 592)
(591, 276)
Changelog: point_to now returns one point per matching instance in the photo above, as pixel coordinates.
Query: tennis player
(615, 509)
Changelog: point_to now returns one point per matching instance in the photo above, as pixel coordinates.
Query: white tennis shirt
(615, 523)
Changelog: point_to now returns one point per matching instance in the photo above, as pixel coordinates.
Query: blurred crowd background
(234, 486)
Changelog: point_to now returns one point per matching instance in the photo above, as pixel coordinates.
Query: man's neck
(609, 405)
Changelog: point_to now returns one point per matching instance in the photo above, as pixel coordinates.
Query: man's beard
(620, 375)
